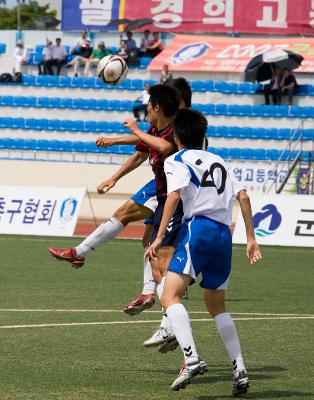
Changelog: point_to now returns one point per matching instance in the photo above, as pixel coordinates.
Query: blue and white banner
(39, 210)
(89, 14)
(284, 220)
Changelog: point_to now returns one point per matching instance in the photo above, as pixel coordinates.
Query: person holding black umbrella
(273, 88)
(288, 86)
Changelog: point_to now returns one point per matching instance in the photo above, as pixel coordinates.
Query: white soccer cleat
(240, 383)
(162, 335)
(187, 372)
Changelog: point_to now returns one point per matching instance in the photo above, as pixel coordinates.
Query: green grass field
(102, 357)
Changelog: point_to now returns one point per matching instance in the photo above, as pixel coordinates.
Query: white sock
(160, 287)
(150, 285)
(165, 322)
(102, 234)
(229, 336)
(182, 328)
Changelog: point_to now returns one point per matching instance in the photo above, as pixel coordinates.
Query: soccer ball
(112, 69)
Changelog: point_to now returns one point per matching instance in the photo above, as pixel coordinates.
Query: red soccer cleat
(141, 303)
(68, 254)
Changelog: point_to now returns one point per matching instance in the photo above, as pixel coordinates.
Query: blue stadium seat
(43, 102)
(90, 147)
(221, 131)
(66, 102)
(231, 87)
(18, 123)
(6, 100)
(308, 134)
(272, 154)
(137, 84)
(79, 103)
(66, 145)
(246, 132)
(199, 86)
(259, 154)
(244, 88)
(100, 84)
(42, 145)
(271, 133)
(234, 132)
(2, 48)
(102, 126)
(29, 80)
(54, 125)
(281, 111)
(54, 145)
(90, 126)
(125, 85)
(284, 134)
(246, 154)
(77, 82)
(42, 80)
(258, 133)
(101, 104)
(126, 105)
(211, 131)
(112, 49)
(6, 122)
(219, 86)
(52, 80)
(144, 62)
(54, 102)
(116, 127)
(67, 125)
(89, 83)
(18, 101)
(39, 48)
(221, 109)
(114, 105)
(64, 81)
(29, 144)
(234, 153)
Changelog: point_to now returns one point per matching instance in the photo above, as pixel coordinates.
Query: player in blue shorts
(206, 187)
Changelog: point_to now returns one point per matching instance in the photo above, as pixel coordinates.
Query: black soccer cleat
(240, 384)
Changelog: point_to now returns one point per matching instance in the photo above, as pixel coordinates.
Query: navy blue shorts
(173, 230)
(205, 246)
(147, 196)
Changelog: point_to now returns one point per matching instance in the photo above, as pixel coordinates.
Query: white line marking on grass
(95, 311)
(140, 322)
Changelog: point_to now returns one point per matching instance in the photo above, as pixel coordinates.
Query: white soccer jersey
(207, 184)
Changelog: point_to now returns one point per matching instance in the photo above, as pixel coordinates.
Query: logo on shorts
(180, 259)
(189, 53)
(267, 221)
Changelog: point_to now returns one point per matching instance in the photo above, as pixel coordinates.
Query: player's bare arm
(171, 205)
(158, 144)
(130, 164)
(252, 249)
(122, 140)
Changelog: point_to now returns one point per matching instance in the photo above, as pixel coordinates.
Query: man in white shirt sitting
(47, 56)
(81, 42)
(20, 55)
(144, 99)
(58, 58)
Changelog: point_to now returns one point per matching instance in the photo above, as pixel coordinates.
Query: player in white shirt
(207, 189)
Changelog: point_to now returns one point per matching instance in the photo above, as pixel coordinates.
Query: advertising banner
(218, 54)
(244, 16)
(284, 220)
(39, 210)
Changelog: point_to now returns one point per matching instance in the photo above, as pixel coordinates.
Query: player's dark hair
(190, 128)
(184, 88)
(166, 97)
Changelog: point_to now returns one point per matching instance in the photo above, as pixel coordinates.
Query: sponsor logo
(180, 259)
(189, 53)
(267, 221)
(67, 209)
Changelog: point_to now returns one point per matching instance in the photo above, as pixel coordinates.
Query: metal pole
(18, 8)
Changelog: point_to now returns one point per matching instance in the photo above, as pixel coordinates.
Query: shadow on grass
(269, 394)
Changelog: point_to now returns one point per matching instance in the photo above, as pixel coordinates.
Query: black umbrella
(261, 67)
(131, 25)
(47, 22)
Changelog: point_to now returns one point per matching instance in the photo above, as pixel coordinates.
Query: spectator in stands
(288, 85)
(272, 89)
(166, 75)
(20, 55)
(59, 55)
(144, 42)
(82, 58)
(81, 42)
(130, 42)
(155, 46)
(143, 99)
(47, 56)
(122, 50)
(98, 53)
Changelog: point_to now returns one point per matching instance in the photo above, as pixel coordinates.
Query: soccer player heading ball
(206, 187)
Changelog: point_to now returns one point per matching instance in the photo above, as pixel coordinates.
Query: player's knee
(124, 213)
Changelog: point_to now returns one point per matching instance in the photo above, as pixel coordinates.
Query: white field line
(142, 322)
(95, 311)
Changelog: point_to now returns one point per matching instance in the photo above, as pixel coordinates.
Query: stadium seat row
(139, 84)
(117, 127)
(90, 147)
(127, 105)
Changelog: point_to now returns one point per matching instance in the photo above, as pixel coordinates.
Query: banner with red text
(224, 54)
(201, 16)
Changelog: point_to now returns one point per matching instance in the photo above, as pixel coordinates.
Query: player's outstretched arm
(158, 144)
(252, 249)
(171, 204)
(107, 142)
(130, 164)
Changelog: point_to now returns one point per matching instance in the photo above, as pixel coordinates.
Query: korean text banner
(247, 16)
(284, 220)
(39, 210)
(219, 54)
